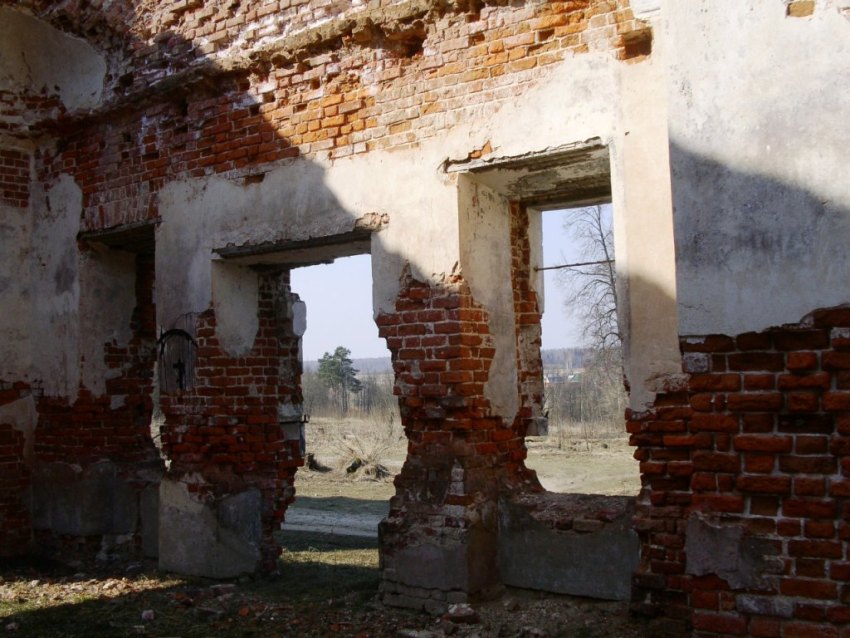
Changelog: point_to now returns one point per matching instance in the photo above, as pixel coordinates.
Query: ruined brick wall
(457, 451)
(116, 424)
(747, 462)
(152, 40)
(351, 91)
(226, 429)
(100, 435)
(336, 85)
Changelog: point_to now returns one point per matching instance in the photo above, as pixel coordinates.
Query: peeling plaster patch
(235, 298)
(38, 58)
(22, 416)
(485, 254)
(16, 289)
(694, 362)
(299, 318)
(724, 550)
(55, 320)
(645, 9)
(107, 300)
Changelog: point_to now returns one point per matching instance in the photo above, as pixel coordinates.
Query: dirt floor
(327, 584)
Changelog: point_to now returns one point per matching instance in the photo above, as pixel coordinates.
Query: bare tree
(592, 299)
(592, 281)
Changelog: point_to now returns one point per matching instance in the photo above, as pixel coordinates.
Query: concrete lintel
(305, 252)
(533, 160)
(577, 174)
(136, 237)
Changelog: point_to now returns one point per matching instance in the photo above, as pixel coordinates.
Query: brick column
(233, 459)
(438, 544)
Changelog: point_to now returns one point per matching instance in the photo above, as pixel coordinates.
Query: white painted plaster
(201, 215)
(643, 230)
(422, 206)
(235, 298)
(485, 257)
(55, 321)
(107, 300)
(299, 318)
(37, 58)
(758, 126)
(645, 9)
(15, 292)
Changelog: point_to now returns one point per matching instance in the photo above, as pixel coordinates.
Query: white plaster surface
(37, 58)
(758, 128)
(485, 257)
(643, 230)
(107, 300)
(645, 9)
(15, 292)
(235, 297)
(201, 215)
(55, 324)
(299, 318)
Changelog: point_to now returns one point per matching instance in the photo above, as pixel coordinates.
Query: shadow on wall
(753, 251)
(204, 161)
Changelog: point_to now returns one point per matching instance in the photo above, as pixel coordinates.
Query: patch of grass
(322, 566)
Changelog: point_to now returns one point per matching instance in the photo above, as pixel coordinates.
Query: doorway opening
(585, 449)
(354, 440)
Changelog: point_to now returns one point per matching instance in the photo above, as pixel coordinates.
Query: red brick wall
(759, 436)
(15, 522)
(441, 352)
(90, 428)
(347, 95)
(226, 427)
(14, 178)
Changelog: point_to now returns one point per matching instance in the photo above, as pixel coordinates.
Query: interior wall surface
(338, 125)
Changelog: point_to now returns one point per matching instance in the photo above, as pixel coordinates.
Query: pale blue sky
(339, 300)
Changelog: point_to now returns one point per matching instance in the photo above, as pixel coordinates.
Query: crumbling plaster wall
(304, 199)
(379, 152)
(69, 313)
(43, 71)
(757, 128)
